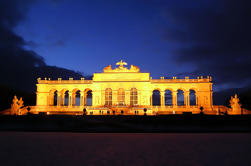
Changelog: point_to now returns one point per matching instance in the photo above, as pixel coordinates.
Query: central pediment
(121, 73)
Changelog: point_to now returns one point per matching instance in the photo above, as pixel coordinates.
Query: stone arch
(87, 89)
(180, 97)
(171, 89)
(52, 98)
(55, 98)
(168, 97)
(75, 90)
(182, 89)
(192, 97)
(194, 89)
(156, 97)
(64, 93)
(66, 98)
(158, 89)
(77, 98)
(88, 97)
(76, 95)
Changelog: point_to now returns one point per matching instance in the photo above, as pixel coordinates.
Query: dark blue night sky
(88, 35)
(166, 38)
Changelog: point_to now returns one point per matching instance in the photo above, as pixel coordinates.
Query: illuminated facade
(124, 91)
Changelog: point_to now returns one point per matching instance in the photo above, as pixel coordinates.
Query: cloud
(11, 45)
(19, 67)
(12, 12)
(32, 44)
(214, 37)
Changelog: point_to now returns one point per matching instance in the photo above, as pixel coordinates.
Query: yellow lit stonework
(122, 91)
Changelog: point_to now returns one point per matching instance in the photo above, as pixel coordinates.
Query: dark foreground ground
(167, 149)
(127, 124)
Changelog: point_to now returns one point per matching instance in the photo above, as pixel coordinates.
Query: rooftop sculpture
(121, 68)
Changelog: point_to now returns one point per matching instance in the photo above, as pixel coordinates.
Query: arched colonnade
(66, 97)
(167, 97)
(178, 97)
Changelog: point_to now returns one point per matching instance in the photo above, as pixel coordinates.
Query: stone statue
(108, 68)
(16, 106)
(121, 64)
(15, 100)
(121, 68)
(234, 103)
(134, 68)
(21, 102)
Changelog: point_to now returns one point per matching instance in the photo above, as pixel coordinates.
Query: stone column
(37, 98)
(48, 100)
(63, 100)
(85, 98)
(162, 98)
(58, 98)
(127, 97)
(94, 98)
(196, 99)
(174, 97)
(139, 97)
(186, 99)
(70, 99)
(73, 99)
(114, 97)
(211, 98)
(102, 99)
(51, 99)
(81, 98)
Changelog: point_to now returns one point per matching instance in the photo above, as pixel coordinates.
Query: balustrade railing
(180, 80)
(64, 81)
(71, 81)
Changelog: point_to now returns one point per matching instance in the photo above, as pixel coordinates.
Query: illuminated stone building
(124, 91)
